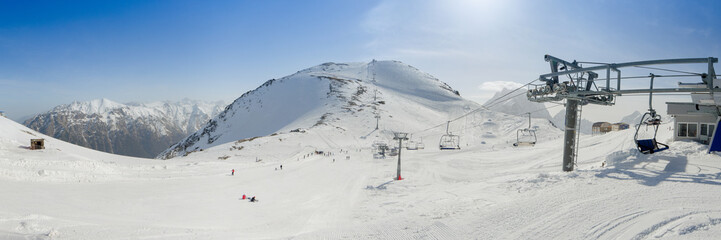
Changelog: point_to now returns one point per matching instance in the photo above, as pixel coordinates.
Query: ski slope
(483, 191)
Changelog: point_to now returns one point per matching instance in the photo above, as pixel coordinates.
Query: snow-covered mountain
(134, 129)
(560, 121)
(633, 118)
(341, 99)
(329, 94)
(516, 103)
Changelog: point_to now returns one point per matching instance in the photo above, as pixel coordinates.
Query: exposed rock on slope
(140, 130)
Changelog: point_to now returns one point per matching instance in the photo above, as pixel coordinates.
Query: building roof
(600, 124)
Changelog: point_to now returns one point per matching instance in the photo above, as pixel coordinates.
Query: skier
(232, 172)
(243, 197)
(252, 199)
(281, 167)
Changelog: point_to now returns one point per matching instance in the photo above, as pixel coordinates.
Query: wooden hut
(601, 128)
(37, 144)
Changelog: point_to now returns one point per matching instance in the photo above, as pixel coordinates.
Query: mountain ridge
(135, 129)
(322, 95)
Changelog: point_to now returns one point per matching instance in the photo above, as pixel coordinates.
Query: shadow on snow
(632, 165)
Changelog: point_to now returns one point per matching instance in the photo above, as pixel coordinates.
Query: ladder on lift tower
(578, 135)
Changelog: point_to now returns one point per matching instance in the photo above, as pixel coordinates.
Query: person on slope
(253, 199)
(232, 172)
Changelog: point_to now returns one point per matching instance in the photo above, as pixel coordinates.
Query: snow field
(472, 193)
(486, 190)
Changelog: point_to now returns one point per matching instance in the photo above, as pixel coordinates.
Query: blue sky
(55, 52)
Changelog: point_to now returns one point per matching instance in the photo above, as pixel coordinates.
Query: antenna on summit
(371, 72)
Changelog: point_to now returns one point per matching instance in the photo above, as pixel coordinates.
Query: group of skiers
(252, 199)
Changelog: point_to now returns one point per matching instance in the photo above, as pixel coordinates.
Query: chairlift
(420, 145)
(379, 143)
(449, 141)
(393, 152)
(381, 148)
(649, 145)
(526, 137)
(653, 120)
(411, 145)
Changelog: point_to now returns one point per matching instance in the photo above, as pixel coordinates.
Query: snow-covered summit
(345, 95)
(96, 106)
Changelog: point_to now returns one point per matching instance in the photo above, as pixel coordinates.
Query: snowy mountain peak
(134, 129)
(96, 106)
(330, 94)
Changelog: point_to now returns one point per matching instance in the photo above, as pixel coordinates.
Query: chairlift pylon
(650, 118)
(449, 141)
(526, 136)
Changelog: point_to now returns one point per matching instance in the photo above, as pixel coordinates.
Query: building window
(682, 129)
(704, 130)
(711, 128)
(692, 127)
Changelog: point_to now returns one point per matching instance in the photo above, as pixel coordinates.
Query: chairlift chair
(649, 145)
(393, 152)
(449, 141)
(379, 143)
(411, 145)
(526, 137)
(420, 145)
(650, 118)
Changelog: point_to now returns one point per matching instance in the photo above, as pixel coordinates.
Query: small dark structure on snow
(37, 144)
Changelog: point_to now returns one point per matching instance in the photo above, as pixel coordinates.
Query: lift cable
(485, 106)
(518, 115)
(524, 85)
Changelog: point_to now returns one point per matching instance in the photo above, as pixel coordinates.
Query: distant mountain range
(133, 129)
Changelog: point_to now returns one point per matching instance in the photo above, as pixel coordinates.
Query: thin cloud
(497, 86)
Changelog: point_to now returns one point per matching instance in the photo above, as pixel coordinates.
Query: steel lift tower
(583, 86)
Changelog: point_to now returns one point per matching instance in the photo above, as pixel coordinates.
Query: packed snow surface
(69, 192)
